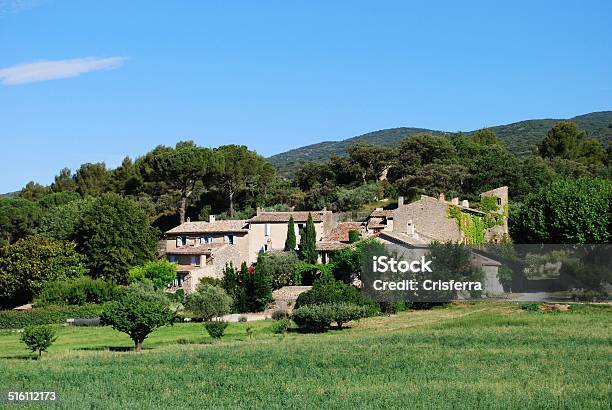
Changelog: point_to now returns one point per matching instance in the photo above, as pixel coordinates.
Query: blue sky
(276, 75)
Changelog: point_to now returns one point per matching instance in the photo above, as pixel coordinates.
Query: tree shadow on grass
(111, 348)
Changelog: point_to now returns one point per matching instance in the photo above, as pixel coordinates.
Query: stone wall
(429, 217)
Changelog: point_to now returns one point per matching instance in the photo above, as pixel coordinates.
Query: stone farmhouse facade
(203, 248)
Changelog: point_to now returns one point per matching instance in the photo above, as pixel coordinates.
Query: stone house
(202, 249)
(429, 219)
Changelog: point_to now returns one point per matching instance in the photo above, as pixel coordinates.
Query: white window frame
(267, 229)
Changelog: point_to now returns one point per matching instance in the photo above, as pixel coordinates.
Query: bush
(216, 328)
(346, 312)
(313, 317)
(531, 306)
(137, 312)
(281, 325)
(280, 314)
(12, 319)
(210, 281)
(320, 317)
(160, 273)
(242, 319)
(209, 302)
(332, 291)
(38, 338)
(77, 291)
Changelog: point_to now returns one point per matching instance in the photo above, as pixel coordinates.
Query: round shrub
(320, 317)
(281, 325)
(280, 314)
(332, 291)
(209, 302)
(216, 328)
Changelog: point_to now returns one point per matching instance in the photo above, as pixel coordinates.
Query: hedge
(13, 319)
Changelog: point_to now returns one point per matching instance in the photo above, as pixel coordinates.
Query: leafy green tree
(372, 159)
(64, 181)
(160, 273)
(353, 236)
(565, 211)
(485, 136)
(92, 179)
(114, 234)
(55, 199)
(18, 218)
(209, 302)
(241, 171)
(61, 222)
(291, 241)
(181, 169)
(308, 242)
(138, 313)
(33, 191)
(279, 266)
(422, 149)
(38, 338)
(125, 179)
(29, 263)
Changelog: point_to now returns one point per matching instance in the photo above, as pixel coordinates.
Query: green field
(465, 356)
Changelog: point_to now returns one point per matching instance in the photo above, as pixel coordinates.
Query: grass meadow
(464, 356)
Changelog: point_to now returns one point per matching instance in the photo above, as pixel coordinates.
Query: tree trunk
(231, 202)
(182, 209)
(138, 345)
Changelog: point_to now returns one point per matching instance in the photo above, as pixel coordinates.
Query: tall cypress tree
(261, 286)
(290, 242)
(308, 242)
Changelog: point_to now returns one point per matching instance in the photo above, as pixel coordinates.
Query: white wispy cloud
(54, 69)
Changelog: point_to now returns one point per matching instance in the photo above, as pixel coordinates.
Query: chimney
(441, 197)
(400, 201)
(188, 219)
(455, 201)
(211, 218)
(465, 203)
(259, 210)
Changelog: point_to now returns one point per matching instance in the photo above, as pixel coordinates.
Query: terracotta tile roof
(341, 231)
(298, 216)
(210, 227)
(331, 245)
(382, 213)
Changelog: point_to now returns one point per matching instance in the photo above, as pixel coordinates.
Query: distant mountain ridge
(519, 137)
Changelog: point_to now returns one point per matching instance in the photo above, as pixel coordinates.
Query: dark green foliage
(453, 261)
(279, 266)
(354, 236)
(38, 338)
(13, 319)
(320, 317)
(61, 222)
(160, 273)
(328, 291)
(29, 263)
(280, 314)
(241, 171)
(137, 313)
(260, 293)
(211, 281)
(485, 136)
(208, 302)
(308, 242)
(563, 140)
(33, 191)
(346, 263)
(566, 211)
(78, 291)
(115, 235)
(291, 241)
(92, 179)
(237, 284)
(55, 199)
(281, 325)
(18, 218)
(216, 328)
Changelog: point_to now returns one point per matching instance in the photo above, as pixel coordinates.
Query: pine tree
(290, 242)
(308, 242)
(241, 304)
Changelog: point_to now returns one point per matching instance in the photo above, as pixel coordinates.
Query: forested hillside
(519, 137)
